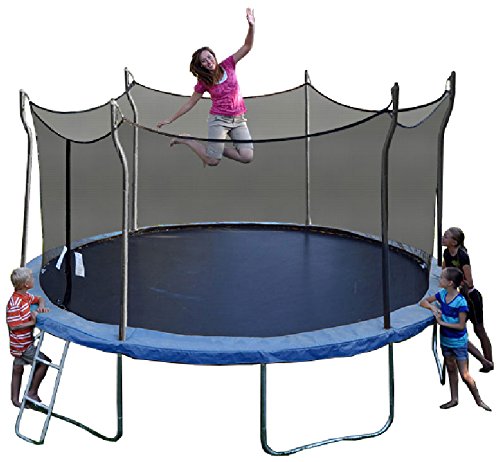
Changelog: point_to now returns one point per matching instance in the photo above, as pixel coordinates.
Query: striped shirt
(452, 338)
(18, 312)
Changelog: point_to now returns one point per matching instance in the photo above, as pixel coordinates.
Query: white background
(71, 56)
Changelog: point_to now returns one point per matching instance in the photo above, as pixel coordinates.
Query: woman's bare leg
(242, 152)
(244, 155)
(199, 149)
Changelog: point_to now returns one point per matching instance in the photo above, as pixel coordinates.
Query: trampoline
(237, 294)
(279, 261)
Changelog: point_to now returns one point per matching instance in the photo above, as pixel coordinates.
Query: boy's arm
(41, 306)
(24, 325)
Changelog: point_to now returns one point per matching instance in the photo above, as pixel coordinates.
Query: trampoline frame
(130, 223)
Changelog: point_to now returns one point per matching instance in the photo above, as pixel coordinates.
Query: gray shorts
(219, 127)
(28, 356)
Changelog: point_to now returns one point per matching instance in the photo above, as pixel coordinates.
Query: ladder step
(48, 363)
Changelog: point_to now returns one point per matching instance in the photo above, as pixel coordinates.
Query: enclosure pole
(68, 259)
(385, 207)
(23, 97)
(307, 82)
(129, 80)
(451, 82)
(125, 219)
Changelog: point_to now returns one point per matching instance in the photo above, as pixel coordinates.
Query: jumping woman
(227, 114)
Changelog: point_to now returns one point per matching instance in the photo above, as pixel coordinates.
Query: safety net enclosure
(295, 234)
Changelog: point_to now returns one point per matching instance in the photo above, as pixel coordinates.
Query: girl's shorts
(458, 353)
(476, 310)
(219, 127)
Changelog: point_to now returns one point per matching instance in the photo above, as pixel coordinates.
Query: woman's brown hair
(207, 77)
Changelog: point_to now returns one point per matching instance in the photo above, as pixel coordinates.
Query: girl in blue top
(452, 317)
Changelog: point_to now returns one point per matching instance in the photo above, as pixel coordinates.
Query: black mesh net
(81, 174)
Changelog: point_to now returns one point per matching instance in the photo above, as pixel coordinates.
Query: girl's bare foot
(484, 406)
(449, 404)
(16, 403)
(487, 366)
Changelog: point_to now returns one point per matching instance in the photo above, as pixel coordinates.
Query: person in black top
(455, 255)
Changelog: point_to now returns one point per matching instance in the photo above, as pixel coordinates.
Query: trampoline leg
(119, 409)
(263, 415)
(441, 369)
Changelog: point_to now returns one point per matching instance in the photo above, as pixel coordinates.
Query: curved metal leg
(441, 369)
(119, 410)
(263, 416)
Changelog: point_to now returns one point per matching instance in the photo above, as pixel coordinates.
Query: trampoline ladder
(35, 404)
(48, 410)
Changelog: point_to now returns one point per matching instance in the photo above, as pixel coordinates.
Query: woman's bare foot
(175, 141)
(449, 404)
(16, 403)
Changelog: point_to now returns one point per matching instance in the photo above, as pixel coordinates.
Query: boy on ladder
(21, 320)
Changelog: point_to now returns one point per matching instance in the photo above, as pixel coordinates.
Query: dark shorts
(28, 356)
(476, 310)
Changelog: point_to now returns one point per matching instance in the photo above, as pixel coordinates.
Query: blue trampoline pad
(235, 294)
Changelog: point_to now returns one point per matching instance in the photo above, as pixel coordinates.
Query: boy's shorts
(457, 353)
(219, 127)
(28, 356)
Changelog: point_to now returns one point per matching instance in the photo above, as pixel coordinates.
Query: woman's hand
(163, 122)
(250, 17)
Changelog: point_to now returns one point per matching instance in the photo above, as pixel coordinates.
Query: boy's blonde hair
(20, 276)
